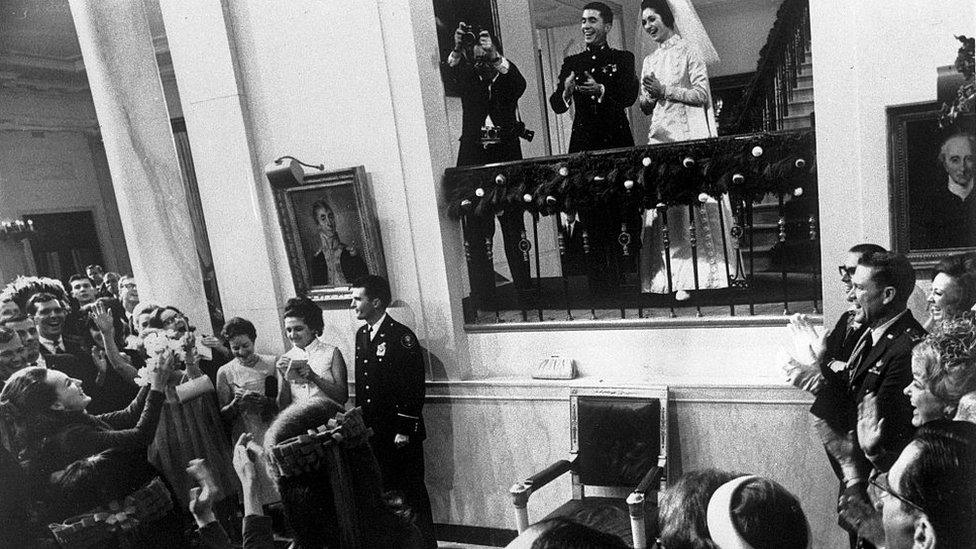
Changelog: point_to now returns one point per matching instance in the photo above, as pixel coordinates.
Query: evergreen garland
(670, 174)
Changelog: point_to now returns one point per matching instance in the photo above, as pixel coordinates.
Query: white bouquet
(157, 342)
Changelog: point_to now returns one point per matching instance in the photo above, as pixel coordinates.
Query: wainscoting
(484, 435)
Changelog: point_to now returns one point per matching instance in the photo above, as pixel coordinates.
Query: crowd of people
(117, 420)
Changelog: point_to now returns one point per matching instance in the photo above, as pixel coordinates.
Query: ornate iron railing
(769, 251)
(764, 106)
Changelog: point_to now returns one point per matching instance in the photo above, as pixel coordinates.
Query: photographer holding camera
(490, 86)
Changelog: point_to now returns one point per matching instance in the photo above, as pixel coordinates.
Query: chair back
(618, 434)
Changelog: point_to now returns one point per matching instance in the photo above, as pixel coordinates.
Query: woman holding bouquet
(190, 426)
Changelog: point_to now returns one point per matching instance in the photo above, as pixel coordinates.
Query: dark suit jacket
(599, 124)
(572, 252)
(832, 402)
(480, 98)
(390, 384)
(352, 267)
(886, 372)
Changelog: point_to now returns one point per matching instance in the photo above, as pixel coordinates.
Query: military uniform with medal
(390, 388)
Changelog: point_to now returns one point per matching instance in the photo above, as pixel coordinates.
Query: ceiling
(559, 13)
(38, 40)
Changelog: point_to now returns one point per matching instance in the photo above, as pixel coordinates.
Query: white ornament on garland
(798, 191)
(646, 161)
(564, 171)
(526, 198)
(757, 151)
(500, 179)
(629, 184)
(800, 163)
(479, 192)
(738, 179)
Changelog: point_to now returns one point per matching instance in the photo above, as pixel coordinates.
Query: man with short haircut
(880, 364)
(390, 387)
(600, 82)
(11, 354)
(27, 331)
(128, 294)
(96, 274)
(82, 289)
(49, 316)
(928, 497)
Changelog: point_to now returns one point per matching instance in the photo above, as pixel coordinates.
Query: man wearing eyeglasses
(928, 498)
(879, 364)
(833, 408)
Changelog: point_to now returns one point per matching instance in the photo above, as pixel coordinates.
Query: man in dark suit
(50, 317)
(390, 388)
(490, 86)
(880, 364)
(600, 82)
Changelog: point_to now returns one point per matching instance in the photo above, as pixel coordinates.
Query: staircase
(765, 227)
(800, 105)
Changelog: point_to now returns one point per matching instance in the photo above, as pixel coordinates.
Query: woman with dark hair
(334, 263)
(684, 506)
(53, 428)
(247, 388)
(191, 426)
(312, 367)
(757, 513)
(675, 93)
(953, 290)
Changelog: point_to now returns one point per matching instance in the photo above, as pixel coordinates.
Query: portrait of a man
(330, 228)
(946, 203)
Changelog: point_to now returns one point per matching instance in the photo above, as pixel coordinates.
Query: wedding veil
(689, 26)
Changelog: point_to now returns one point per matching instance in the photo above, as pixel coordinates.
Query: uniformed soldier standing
(390, 390)
(602, 84)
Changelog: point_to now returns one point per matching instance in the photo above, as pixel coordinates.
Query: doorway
(65, 244)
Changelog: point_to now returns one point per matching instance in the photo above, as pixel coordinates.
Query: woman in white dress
(674, 91)
(312, 368)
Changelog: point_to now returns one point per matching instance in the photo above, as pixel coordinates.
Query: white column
(232, 185)
(117, 48)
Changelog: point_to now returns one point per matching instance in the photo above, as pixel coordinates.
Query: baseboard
(476, 535)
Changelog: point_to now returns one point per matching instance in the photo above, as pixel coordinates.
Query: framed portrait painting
(931, 171)
(331, 233)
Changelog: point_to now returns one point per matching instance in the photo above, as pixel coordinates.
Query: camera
(468, 38)
(523, 132)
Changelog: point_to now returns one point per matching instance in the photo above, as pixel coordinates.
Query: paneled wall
(484, 436)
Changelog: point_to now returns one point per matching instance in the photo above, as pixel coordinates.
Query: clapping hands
(652, 86)
(869, 425)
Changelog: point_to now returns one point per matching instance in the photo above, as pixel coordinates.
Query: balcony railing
(716, 227)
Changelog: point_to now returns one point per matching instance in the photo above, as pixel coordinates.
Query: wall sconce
(16, 230)
(286, 171)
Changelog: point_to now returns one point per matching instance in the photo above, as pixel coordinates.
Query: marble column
(120, 60)
(233, 189)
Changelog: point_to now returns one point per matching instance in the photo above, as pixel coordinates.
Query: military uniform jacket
(599, 123)
(390, 380)
(886, 371)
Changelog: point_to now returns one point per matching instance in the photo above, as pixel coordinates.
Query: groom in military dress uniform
(390, 390)
(601, 83)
